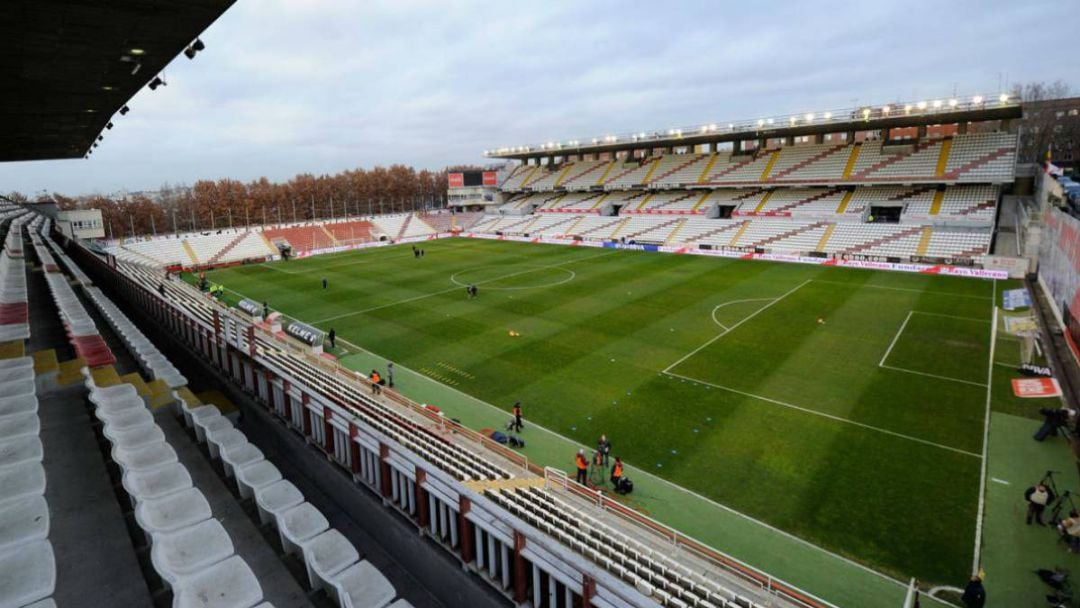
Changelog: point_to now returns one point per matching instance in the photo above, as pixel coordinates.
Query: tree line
(212, 205)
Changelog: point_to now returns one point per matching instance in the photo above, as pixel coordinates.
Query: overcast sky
(290, 86)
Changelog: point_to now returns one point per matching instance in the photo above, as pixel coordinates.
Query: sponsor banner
(1020, 325)
(1016, 298)
(1030, 369)
(1059, 269)
(1016, 267)
(1029, 388)
(455, 180)
(250, 307)
(490, 179)
(633, 247)
(304, 332)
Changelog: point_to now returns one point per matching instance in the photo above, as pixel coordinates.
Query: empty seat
(300, 524)
(173, 512)
(186, 551)
(156, 483)
(137, 437)
(20, 450)
(145, 458)
(276, 498)
(27, 575)
(240, 456)
(21, 481)
(362, 586)
(23, 521)
(223, 439)
(19, 425)
(25, 404)
(255, 475)
(326, 555)
(229, 584)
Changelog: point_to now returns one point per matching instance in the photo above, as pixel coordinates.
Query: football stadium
(817, 359)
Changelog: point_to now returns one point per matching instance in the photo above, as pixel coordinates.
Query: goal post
(911, 600)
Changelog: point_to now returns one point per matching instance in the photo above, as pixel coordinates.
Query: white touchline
(938, 314)
(719, 306)
(732, 328)
(895, 338)
(825, 415)
(986, 436)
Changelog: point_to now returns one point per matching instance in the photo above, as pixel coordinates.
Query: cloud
(289, 86)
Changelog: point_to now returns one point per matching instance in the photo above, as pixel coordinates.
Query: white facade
(81, 223)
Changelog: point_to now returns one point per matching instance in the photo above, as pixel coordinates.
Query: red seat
(14, 312)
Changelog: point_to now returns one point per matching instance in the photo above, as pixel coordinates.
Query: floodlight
(977, 99)
(124, 110)
(156, 82)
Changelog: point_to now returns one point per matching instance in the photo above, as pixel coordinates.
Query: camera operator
(1054, 419)
(1038, 497)
(1070, 530)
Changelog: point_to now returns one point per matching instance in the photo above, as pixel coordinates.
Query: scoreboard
(472, 179)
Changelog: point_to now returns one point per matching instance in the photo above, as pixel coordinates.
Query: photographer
(1038, 497)
(1070, 530)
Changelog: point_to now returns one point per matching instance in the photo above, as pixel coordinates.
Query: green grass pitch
(844, 406)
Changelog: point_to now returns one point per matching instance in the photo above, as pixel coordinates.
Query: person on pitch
(603, 447)
(582, 468)
(517, 417)
(1037, 497)
(616, 473)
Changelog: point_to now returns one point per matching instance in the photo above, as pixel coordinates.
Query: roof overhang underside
(62, 72)
(777, 131)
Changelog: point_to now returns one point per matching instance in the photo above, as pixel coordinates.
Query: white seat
(127, 419)
(276, 498)
(228, 584)
(256, 475)
(137, 437)
(362, 586)
(27, 575)
(401, 604)
(145, 458)
(45, 603)
(107, 407)
(117, 391)
(156, 483)
(24, 404)
(224, 439)
(20, 450)
(186, 551)
(300, 524)
(196, 413)
(23, 521)
(209, 425)
(19, 425)
(325, 555)
(17, 363)
(15, 374)
(240, 456)
(21, 481)
(173, 512)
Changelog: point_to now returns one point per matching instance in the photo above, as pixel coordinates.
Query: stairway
(787, 234)
(565, 179)
(676, 200)
(227, 248)
(977, 208)
(189, 251)
(705, 172)
(528, 177)
(924, 240)
(674, 233)
(842, 207)
(401, 232)
(852, 159)
(911, 193)
(943, 157)
(603, 178)
(732, 168)
(652, 169)
(935, 206)
(804, 163)
(824, 240)
(768, 166)
(624, 173)
(883, 240)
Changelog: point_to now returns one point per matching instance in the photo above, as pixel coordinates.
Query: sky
(292, 86)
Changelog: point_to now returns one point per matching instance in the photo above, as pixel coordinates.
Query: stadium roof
(863, 118)
(67, 67)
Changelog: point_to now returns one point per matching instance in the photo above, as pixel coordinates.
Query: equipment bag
(499, 437)
(626, 486)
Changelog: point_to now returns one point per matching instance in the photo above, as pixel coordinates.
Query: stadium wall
(1059, 271)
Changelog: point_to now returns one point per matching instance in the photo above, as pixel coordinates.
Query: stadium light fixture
(195, 47)
(760, 122)
(157, 82)
(137, 52)
(731, 126)
(886, 109)
(828, 115)
(108, 125)
(100, 137)
(977, 99)
(595, 141)
(937, 103)
(907, 109)
(953, 102)
(1003, 97)
(793, 120)
(921, 105)
(770, 121)
(124, 110)
(866, 113)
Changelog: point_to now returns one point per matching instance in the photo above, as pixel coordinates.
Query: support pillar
(588, 591)
(465, 530)
(305, 415)
(286, 400)
(423, 517)
(354, 449)
(519, 568)
(328, 432)
(384, 471)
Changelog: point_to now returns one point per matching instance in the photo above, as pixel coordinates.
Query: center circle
(488, 277)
